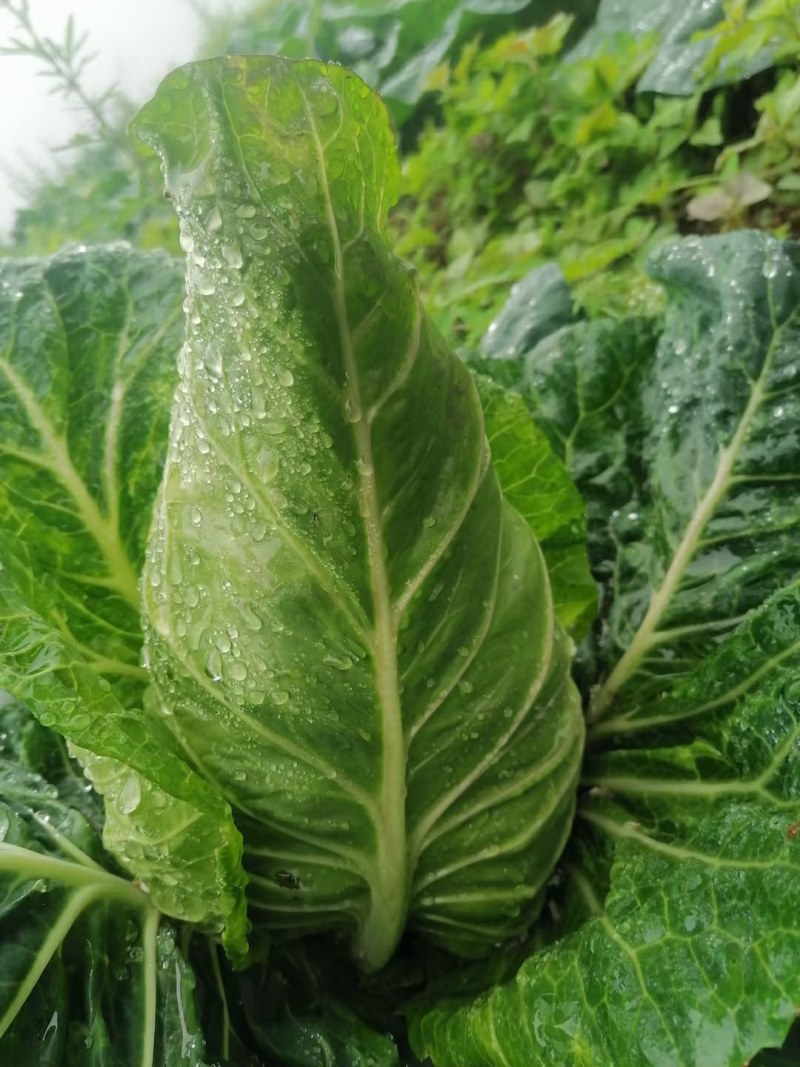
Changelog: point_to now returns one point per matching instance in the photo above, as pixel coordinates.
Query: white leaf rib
(630, 724)
(660, 598)
(48, 948)
(56, 458)
(390, 883)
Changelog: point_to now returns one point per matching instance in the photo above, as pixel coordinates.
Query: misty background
(134, 45)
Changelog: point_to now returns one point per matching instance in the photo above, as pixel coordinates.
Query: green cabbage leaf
(88, 343)
(351, 631)
(89, 971)
(672, 935)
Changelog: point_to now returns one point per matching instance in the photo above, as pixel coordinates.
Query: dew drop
(214, 220)
(214, 665)
(130, 796)
(205, 285)
(340, 663)
(232, 256)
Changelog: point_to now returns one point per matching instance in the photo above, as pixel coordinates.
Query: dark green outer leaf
(678, 55)
(395, 44)
(582, 385)
(691, 958)
(713, 530)
(351, 631)
(85, 974)
(537, 306)
(685, 452)
(88, 341)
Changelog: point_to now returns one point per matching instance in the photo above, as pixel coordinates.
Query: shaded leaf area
(306, 1004)
(581, 384)
(317, 1030)
(24, 741)
(682, 42)
(394, 46)
(535, 481)
(88, 343)
(537, 306)
(683, 950)
(340, 602)
(87, 973)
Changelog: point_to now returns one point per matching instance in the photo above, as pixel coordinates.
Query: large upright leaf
(86, 975)
(351, 631)
(88, 343)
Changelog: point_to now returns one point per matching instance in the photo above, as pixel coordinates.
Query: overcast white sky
(136, 44)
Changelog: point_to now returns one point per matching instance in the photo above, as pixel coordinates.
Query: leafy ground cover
(372, 706)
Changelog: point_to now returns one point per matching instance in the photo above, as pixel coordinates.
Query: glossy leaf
(682, 42)
(537, 306)
(87, 350)
(536, 483)
(710, 533)
(88, 342)
(581, 383)
(351, 631)
(86, 975)
(691, 957)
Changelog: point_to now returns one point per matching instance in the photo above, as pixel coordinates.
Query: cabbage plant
(289, 606)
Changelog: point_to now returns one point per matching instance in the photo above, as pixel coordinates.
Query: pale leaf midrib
(629, 724)
(661, 598)
(390, 888)
(30, 864)
(150, 996)
(680, 854)
(123, 578)
(67, 918)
